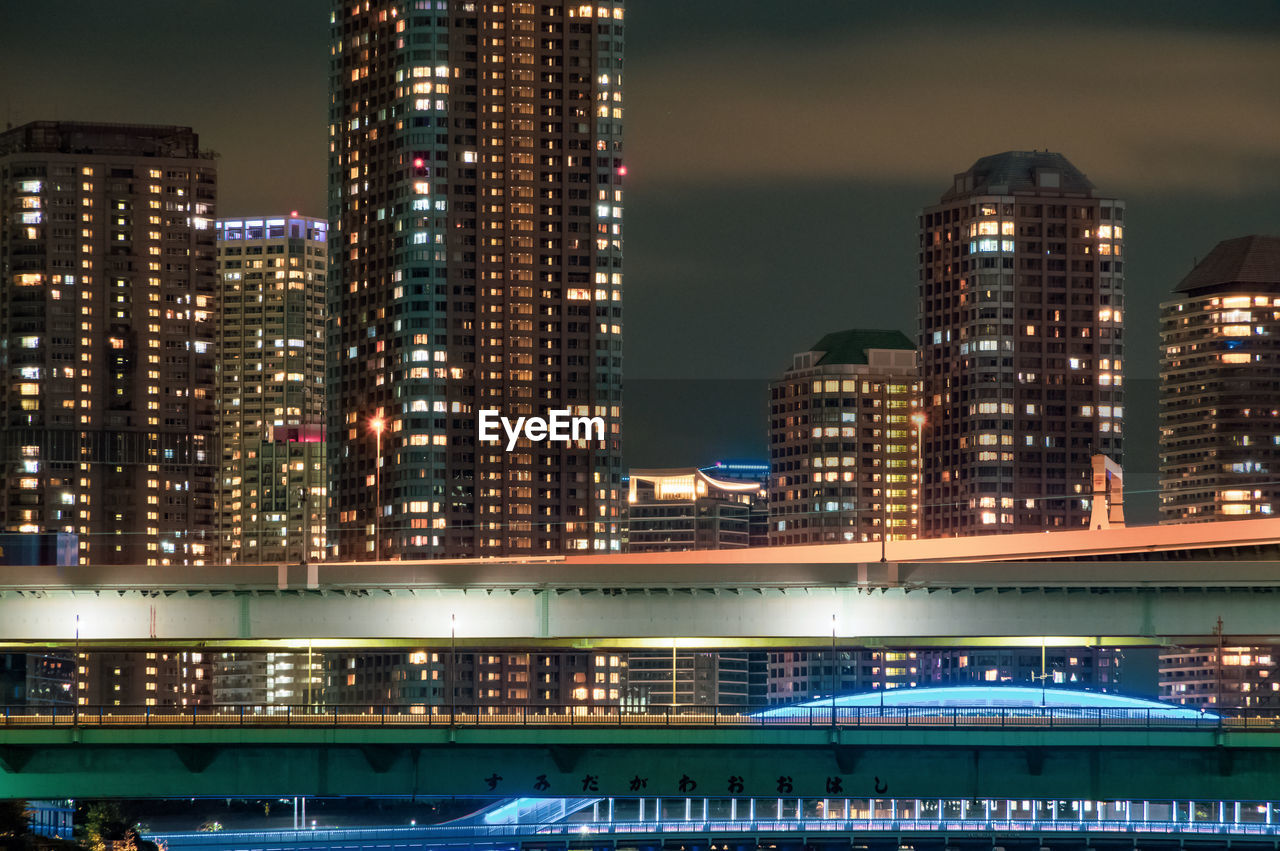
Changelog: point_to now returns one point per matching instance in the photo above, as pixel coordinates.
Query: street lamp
(377, 425)
(75, 712)
(453, 666)
(835, 677)
(918, 420)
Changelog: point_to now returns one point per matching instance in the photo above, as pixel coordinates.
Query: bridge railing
(941, 717)
(367, 837)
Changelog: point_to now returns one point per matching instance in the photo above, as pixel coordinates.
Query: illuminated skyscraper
(1220, 386)
(476, 204)
(1021, 344)
(271, 389)
(844, 429)
(108, 316)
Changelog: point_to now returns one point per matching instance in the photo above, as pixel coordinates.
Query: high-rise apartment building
(686, 508)
(1220, 386)
(476, 205)
(844, 441)
(1221, 677)
(271, 493)
(1021, 344)
(108, 319)
(251, 678)
(144, 679)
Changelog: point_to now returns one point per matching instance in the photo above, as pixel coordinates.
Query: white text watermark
(559, 426)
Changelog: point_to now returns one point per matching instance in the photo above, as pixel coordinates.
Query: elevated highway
(693, 603)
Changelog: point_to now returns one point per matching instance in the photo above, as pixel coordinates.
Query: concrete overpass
(693, 603)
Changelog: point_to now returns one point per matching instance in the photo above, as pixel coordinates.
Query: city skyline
(321, 478)
(712, 233)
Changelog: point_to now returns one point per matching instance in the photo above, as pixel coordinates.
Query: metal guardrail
(713, 826)
(949, 717)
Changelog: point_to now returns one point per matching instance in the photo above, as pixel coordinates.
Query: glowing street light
(453, 667)
(835, 670)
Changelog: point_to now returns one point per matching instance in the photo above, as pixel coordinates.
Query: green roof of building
(851, 346)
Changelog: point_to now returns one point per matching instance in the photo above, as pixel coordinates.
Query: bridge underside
(1088, 764)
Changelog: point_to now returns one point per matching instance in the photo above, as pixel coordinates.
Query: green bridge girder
(1098, 764)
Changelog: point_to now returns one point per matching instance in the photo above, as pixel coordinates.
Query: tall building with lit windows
(844, 441)
(476, 209)
(108, 321)
(1221, 677)
(271, 494)
(253, 678)
(473, 680)
(1220, 386)
(1021, 344)
(147, 678)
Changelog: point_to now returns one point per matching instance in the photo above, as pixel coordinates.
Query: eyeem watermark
(559, 427)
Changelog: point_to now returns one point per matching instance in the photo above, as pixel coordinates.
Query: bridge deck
(632, 606)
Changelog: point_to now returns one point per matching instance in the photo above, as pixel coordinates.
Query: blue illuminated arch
(920, 700)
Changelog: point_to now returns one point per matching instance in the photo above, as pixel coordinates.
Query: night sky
(777, 153)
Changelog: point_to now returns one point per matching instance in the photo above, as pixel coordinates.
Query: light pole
(1044, 675)
(453, 664)
(377, 424)
(918, 420)
(834, 674)
(75, 712)
(673, 672)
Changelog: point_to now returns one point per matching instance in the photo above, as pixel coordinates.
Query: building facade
(36, 679)
(434, 681)
(657, 678)
(144, 679)
(268, 679)
(800, 675)
(1226, 677)
(685, 508)
(1220, 386)
(271, 493)
(476, 203)
(1021, 344)
(844, 442)
(108, 320)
